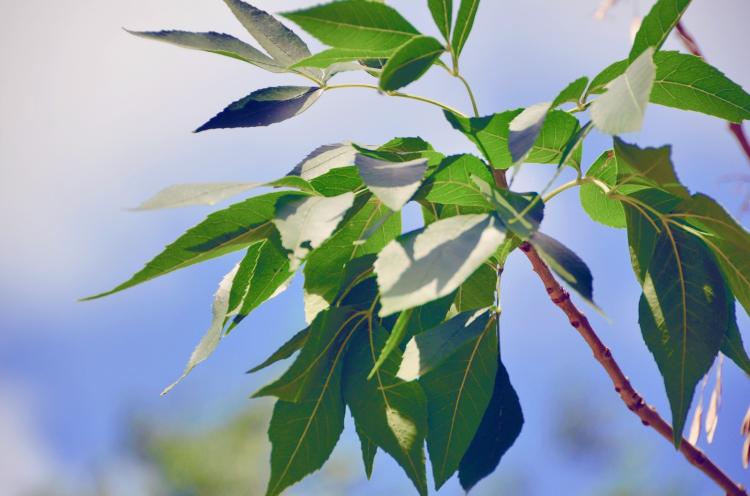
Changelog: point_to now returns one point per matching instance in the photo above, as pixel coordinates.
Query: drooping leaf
(433, 262)
(222, 232)
(490, 134)
(458, 393)
(393, 182)
(500, 427)
(264, 107)
(467, 12)
(306, 223)
(566, 264)
(397, 335)
(656, 26)
(683, 315)
(391, 412)
(442, 13)
(220, 43)
(355, 24)
(427, 351)
(452, 184)
(369, 450)
(594, 200)
(687, 82)
(410, 62)
(294, 344)
(328, 58)
(324, 159)
(622, 107)
(210, 340)
(328, 335)
(648, 165)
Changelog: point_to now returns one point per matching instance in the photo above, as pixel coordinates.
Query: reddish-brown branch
(692, 47)
(629, 395)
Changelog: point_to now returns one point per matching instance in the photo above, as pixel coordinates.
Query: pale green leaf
(393, 182)
(594, 200)
(324, 159)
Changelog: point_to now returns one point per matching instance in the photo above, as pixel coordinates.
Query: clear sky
(93, 120)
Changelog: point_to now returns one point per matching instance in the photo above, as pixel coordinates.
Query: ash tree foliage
(403, 328)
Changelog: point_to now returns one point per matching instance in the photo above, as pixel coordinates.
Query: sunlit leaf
(442, 13)
(656, 26)
(452, 182)
(467, 12)
(410, 62)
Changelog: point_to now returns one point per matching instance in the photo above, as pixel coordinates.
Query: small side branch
(634, 401)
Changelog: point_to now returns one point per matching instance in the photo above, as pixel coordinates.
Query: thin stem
(561, 188)
(471, 93)
(397, 94)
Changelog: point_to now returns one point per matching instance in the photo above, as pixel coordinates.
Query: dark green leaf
(452, 182)
(391, 412)
(264, 107)
(369, 450)
(286, 350)
(355, 24)
(500, 427)
(467, 11)
(566, 264)
(410, 62)
(478, 291)
(650, 166)
(222, 232)
(458, 393)
(657, 25)
(521, 213)
(220, 43)
(683, 316)
(442, 13)
(732, 345)
(397, 335)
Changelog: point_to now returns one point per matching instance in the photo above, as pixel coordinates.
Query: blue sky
(93, 121)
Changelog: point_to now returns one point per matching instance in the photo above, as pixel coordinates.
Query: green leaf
(210, 340)
(185, 195)
(452, 183)
(391, 412)
(458, 393)
(728, 241)
(566, 264)
(467, 11)
(500, 427)
(338, 181)
(328, 58)
(264, 107)
(520, 213)
(304, 433)
(651, 166)
(490, 134)
(355, 24)
(393, 342)
(599, 84)
(428, 316)
(657, 25)
(369, 450)
(433, 262)
(427, 351)
(222, 232)
(478, 291)
(267, 274)
(687, 82)
(306, 223)
(220, 43)
(286, 350)
(442, 13)
(595, 202)
(732, 345)
(572, 93)
(328, 335)
(683, 316)
(410, 62)
(324, 159)
(622, 107)
(394, 183)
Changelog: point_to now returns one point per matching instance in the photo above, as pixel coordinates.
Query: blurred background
(93, 121)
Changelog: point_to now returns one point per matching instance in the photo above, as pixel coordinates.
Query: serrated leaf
(467, 12)
(355, 24)
(433, 262)
(222, 232)
(622, 107)
(210, 340)
(294, 344)
(687, 82)
(595, 202)
(329, 333)
(306, 223)
(650, 166)
(338, 181)
(490, 134)
(410, 62)
(264, 107)
(683, 316)
(324, 159)
(656, 26)
(572, 92)
(566, 264)
(452, 182)
(458, 393)
(394, 183)
(500, 427)
(219, 43)
(442, 13)
(332, 56)
(391, 412)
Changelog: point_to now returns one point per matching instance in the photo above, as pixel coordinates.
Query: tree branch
(629, 395)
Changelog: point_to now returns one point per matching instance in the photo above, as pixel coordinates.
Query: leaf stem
(471, 93)
(397, 94)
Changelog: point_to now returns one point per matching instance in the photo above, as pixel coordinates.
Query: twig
(634, 401)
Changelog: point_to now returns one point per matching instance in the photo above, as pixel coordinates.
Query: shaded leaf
(184, 195)
(732, 345)
(478, 291)
(393, 182)
(566, 264)
(650, 166)
(521, 213)
(324, 159)
(264, 107)
(294, 344)
(369, 450)
(433, 262)
(410, 62)
(467, 12)
(657, 25)
(524, 130)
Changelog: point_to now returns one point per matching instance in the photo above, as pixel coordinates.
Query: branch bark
(632, 399)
